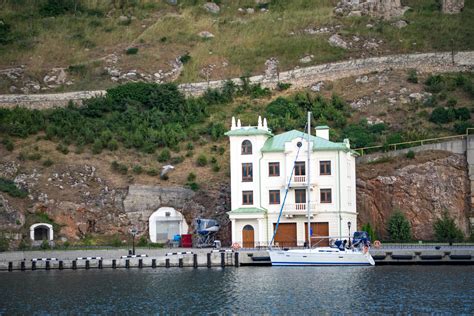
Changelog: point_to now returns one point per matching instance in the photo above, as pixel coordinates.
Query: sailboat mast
(309, 179)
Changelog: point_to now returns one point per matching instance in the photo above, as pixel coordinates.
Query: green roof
(247, 210)
(248, 131)
(277, 143)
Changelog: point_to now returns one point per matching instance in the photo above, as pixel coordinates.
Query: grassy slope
(244, 41)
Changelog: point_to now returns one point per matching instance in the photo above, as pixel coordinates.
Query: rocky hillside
(421, 188)
(54, 46)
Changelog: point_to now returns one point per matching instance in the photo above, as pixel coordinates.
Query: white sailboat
(320, 256)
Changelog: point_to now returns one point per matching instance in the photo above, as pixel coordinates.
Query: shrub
(189, 146)
(45, 245)
(410, 154)
(5, 33)
(399, 227)
(152, 172)
(116, 242)
(446, 230)
(185, 58)
(4, 244)
(201, 160)
(164, 155)
(193, 186)
(137, 169)
(7, 142)
(62, 148)
(221, 150)
(48, 163)
(97, 147)
(118, 167)
(11, 189)
(112, 145)
(463, 114)
(216, 130)
(216, 167)
(441, 115)
(177, 160)
(281, 86)
(59, 7)
(368, 228)
(131, 51)
(34, 156)
(461, 127)
(412, 76)
(191, 177)
(435, 83)
(142, 242)
(451, 102)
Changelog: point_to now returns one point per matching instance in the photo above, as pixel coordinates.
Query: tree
(399, 227)
(446, 230)
(370, 231)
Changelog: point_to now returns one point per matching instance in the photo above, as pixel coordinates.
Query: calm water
(246, 290)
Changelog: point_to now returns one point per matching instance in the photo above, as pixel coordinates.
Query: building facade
(262, 165)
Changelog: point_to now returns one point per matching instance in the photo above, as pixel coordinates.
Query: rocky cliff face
(83, 201)
(422, 189)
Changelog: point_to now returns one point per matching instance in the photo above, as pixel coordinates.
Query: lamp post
(349, 226)
(134, 232)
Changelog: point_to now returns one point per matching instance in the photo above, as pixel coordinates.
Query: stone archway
(41, 231)
(166, 222)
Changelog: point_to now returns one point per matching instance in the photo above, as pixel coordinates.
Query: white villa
(261, 166)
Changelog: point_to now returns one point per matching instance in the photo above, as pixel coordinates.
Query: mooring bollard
(10, 266)
(114, 264)
(61, 265)
(22, 266)
(48, 265)
(180, 262)
(127, 263)
(74, 264)
(222, 259)
(208, 260)
(33, 265)
(195, 260)
(153, 263)
(87, 265)
(167, 262)
(236, 259)
(140, 263)
(100, 264)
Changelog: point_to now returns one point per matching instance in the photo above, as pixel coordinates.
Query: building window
(300, 169)
(247, 197)
(246, 147)
(274, 196)
(247, 172)
(325, 168)
(273, 169)
(326, 196)
(300, 196)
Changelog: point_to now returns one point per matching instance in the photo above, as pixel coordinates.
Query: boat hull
(320, 257)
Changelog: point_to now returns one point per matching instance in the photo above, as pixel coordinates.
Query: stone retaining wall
(299, 78)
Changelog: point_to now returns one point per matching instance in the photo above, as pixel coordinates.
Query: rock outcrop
(422, 189)
(386, 9)
(452, 6)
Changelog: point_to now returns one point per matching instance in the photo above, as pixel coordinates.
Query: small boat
(356, 254)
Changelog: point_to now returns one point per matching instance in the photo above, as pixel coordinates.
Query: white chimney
(233, 124)
(322, 131)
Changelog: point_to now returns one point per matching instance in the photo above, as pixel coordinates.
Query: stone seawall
(299, 78)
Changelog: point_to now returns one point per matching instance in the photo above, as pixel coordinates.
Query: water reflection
(270, 290)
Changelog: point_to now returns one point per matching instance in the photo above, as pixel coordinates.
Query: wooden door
(318, 229)
(286, 235)
(248, 237)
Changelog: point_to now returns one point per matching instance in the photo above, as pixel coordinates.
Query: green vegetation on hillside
(148, 35)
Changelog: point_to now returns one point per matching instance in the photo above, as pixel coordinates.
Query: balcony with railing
(297, 181)
(298, 208)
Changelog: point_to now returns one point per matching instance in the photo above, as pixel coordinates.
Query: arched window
(246, 147)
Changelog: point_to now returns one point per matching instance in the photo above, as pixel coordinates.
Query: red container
(187, 240)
